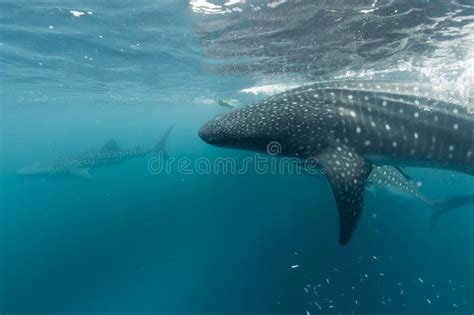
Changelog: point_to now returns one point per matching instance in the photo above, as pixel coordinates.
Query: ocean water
(138, 240)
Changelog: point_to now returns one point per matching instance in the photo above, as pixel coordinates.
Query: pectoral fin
(82, 173)
(347, 172)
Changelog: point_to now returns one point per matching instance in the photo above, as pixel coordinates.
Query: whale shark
(346, 127)
(395, 181)
(80, 164)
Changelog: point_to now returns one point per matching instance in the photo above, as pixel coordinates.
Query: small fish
(227, 103)
(320, 308)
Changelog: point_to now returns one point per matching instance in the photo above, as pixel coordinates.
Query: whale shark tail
(160, 146)
(444, 206)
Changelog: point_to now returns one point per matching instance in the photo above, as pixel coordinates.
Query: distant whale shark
(394, 180)
(346, 127)
(81, 163)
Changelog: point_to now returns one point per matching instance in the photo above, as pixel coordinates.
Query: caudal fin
(161, 145)
(446, 205)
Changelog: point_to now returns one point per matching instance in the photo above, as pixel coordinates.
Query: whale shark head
(247, 128)
(34, 169)
(258, 126)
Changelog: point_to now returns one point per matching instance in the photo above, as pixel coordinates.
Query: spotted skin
(390, 178)
(341, 124)
(348, 185)
(81, 163)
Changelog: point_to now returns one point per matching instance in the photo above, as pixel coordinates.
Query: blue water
(133, 242)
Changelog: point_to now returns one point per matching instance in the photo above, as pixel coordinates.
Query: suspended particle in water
(76, 13)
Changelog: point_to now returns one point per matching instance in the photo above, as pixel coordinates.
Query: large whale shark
(346, 127)
(80, 164)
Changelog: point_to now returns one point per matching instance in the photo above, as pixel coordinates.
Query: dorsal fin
(110, 145)
(407, 177)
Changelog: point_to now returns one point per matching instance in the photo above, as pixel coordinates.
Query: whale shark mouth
(204, 134)
(217, 133)
(27, 171)
(207, 134)
(23, 172)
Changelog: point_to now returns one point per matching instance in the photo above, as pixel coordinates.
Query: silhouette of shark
(80, 164)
